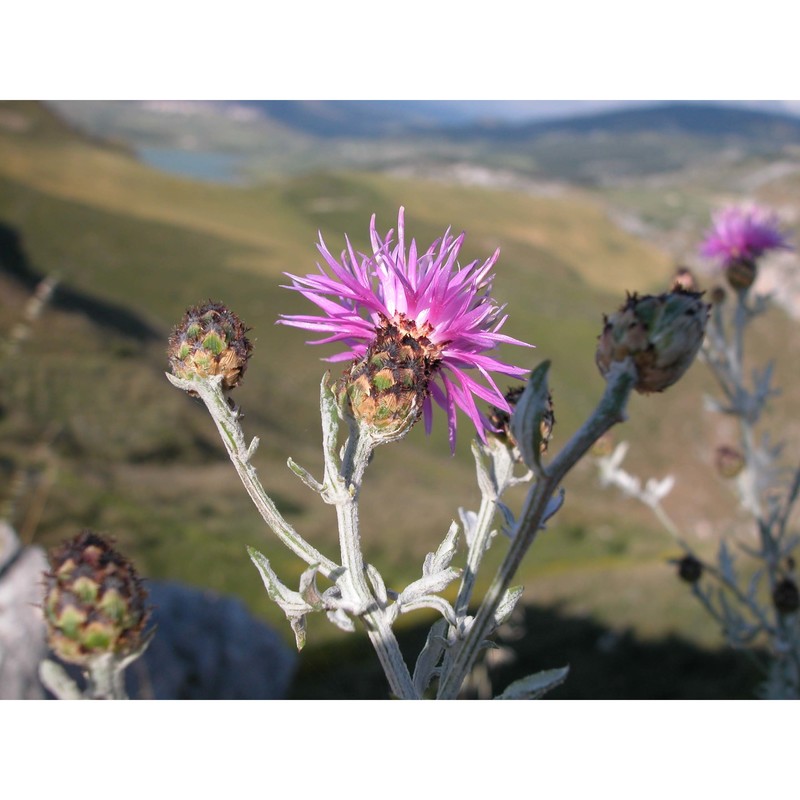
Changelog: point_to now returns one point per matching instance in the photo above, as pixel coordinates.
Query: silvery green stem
(226, 420)
(610, 410)
(493, 480)
(104, 674)
(55, 678)
(358, 450)
(105, 679)
(481, 535)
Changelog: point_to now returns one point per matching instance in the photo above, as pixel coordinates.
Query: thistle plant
(750, 588)
(417, 328)
(96, 613)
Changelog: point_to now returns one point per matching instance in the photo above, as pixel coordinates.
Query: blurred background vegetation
(142, 209)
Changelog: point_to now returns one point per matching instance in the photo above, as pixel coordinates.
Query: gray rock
(209, 647)
(22, 634)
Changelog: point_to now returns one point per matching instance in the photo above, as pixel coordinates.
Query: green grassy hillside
(106, 442)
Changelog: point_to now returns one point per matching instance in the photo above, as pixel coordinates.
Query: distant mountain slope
(358, 119)
(39, 122)
(376, 118)
(695, 119)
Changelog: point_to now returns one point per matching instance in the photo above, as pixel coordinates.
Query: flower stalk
(621, 379)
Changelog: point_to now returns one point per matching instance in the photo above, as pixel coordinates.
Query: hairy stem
(225, 418)
(358, 450)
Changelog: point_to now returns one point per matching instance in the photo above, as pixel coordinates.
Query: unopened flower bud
(684, 280)
(729, 461)
(660, 333)
(690, 569)
(741, 274)
(501, 420)
(386, 389)
(785, 596)
(210, 340)
(94, 602)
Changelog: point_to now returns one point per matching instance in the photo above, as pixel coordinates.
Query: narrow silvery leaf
(429, 656)
(655, 491)
(305, 476)
(436, 562)
(469, 519)
(391, 613)
(308, 588)
(507, 604)
(430, 601)
(764, 379)
(299, 628)
(752, 588)
(251, 449)
(376, 579)
(508, 517)
(726, 563)
(292, 603)
(733, 620)
(330, 429)
(527, 417)
(553, 505)
(711, 404)
(618, 456)
(534, 686)
(429, 584)
(485, 482)
(341, 620)
(501, 465)
(333, 600)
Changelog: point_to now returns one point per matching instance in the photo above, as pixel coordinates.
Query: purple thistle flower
(445, 307)
(743, 234)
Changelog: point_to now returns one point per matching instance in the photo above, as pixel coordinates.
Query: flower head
(426, 299)
(742, 234)
(661, 333)
(209, 341)
(94, 601)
